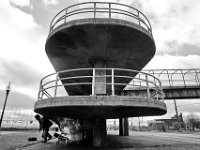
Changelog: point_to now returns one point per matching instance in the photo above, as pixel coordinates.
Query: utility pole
(4, 106)
(176, 108)
(176, 112)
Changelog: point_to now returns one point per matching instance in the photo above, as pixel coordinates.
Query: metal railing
(177, 77)
(101, 10)
(112, 79)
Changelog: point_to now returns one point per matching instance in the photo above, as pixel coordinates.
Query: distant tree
(192, 120)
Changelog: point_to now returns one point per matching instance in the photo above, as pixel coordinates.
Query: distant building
(167, 124)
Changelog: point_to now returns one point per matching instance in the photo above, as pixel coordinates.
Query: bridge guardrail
(177, 77)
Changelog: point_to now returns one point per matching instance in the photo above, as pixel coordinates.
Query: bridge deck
(176, 83)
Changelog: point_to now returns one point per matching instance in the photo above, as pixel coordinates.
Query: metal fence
(177, 77)
(18, 118)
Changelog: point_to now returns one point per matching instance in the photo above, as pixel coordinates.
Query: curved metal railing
(101, 10)
(177, 77)
(54, 84)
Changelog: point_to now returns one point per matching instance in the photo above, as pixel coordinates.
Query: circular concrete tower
(98, 49)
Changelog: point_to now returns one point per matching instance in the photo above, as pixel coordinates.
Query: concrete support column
(99, 132)
(123, 127)
(100, 79)
(126, 127)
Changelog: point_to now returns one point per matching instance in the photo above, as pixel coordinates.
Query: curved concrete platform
(82, 43)
(105, 107)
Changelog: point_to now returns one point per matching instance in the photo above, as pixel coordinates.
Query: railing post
(56, 86)
(65, 15)
(197, 79)
(170, 84)
(93, 82)
(109, 10)
(163, 96)
(138, 17)
(161, 89)
(113, 83)
(94, 9)
(147, 84)
(39, 90)
(183, 78)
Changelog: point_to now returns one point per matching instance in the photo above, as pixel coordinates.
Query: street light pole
(4, 106)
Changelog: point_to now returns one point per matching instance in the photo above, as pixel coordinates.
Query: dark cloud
(44, 13)
(18, 73)
(184, 49)
(17, 100)
(187, 49)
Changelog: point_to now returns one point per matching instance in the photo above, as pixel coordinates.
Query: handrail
(177, 77)
(49, 86)
(170, 78)
(107, 7)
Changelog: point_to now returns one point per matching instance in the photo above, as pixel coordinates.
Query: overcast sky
(24, 26)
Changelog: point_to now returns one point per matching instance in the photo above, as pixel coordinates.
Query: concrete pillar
(99, 132)
(123, 127)
(99, 125)
(100, 82)
(126, 127)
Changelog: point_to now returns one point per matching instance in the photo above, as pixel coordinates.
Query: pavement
(10, 140)
(17, 140)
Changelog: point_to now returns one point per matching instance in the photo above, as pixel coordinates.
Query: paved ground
(15, 139)
(136, 140)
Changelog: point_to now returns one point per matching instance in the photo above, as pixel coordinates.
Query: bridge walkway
(176, 83)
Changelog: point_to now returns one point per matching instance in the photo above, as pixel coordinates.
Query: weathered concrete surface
(126, 127)
(87, 107)
(171, 92)
(123, 127)
(99, 132)
(181, 92)
(82, 43)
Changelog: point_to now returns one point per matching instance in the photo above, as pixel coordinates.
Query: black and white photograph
(100, 74)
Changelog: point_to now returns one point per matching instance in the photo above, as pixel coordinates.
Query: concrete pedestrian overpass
(98, 50)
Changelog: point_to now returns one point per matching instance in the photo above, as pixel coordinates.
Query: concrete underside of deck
(102, 107)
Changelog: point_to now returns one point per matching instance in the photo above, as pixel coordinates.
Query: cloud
(10, 13)
(173, 22)
(174, 62)
(182, 49)
(20, 75)
(22, 38)
(50, 2)
(21, 3)
(17, 100)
